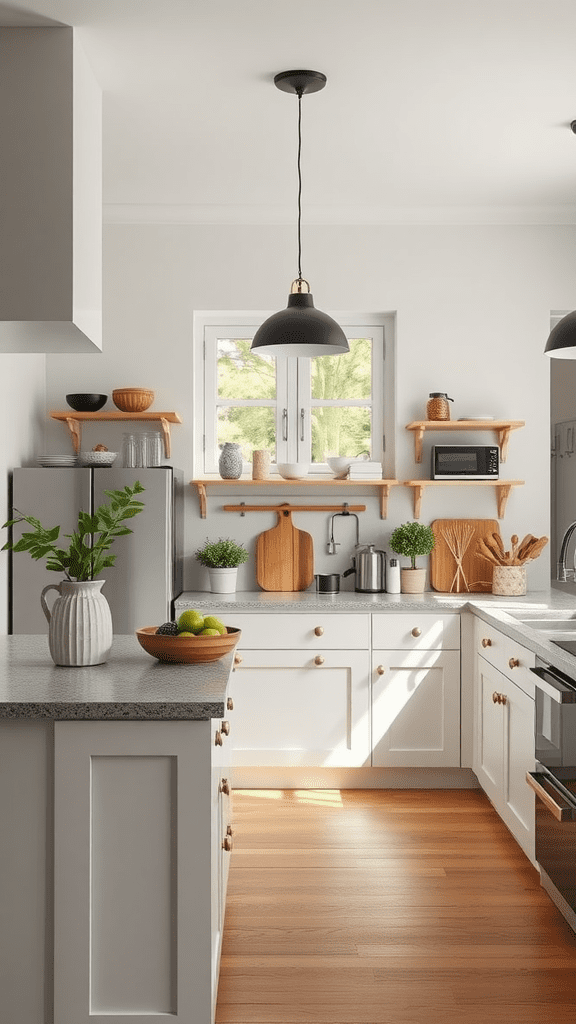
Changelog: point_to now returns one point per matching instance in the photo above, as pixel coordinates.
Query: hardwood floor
(387, 907)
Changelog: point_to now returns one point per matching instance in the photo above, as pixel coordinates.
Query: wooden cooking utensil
(535, 548)
(284, 556)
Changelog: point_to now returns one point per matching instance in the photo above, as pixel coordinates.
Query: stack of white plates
(55, 461)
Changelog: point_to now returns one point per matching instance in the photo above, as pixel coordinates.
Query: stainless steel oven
(554, 783)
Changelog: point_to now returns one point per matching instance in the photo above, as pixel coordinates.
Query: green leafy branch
(86, 555)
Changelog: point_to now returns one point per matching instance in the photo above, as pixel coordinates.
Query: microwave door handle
(562, 811)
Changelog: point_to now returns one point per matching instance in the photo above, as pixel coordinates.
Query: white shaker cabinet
(504, 741)
(416, 690)
(311, 672)
(141, 815)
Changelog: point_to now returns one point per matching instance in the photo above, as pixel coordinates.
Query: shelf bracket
(76, 430)
(384, 495)
(166, 435)
(502, 493)
(418, 492)
(503, 438)
(202, 499)
(418, 440)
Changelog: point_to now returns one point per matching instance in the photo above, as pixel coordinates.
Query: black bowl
(86, 403)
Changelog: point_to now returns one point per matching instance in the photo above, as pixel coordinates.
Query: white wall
(22, 423)
(473, 308)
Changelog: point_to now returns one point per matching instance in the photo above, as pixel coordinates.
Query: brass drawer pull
(225, 787)
(380, 670)
(227, 843)
(496, 698)
(499, 698)
(319, 631)
(229, 830)
(318, 660)
(486, 642)
(226, 728)
(230, 704)
(238, 659)
(513, 663)
(218, 739)
(416, 631)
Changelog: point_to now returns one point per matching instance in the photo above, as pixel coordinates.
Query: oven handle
(562, 811)
(557, 686)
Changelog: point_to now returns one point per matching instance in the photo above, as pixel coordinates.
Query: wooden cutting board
(460, 535)
(284, 556)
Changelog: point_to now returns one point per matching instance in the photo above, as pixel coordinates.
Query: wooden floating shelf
(279, 484)
(502, 487)
(74, 421)
(501, 428)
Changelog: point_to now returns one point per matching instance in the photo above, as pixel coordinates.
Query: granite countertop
(131, 685)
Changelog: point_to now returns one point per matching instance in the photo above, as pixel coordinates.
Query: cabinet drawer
(424, 631)
(505, 654)
(314, 631)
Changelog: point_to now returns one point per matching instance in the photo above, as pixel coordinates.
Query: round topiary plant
(411, 540)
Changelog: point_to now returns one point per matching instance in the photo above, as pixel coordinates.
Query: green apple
(210, 632)
(190, 621)
(184, 633)
(211, 622)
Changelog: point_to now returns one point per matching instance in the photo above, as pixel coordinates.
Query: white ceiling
(434, 111)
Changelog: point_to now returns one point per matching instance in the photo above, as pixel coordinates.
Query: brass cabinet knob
(225, 787)
(238, 659)
(225, 728)
(496, 697)
(513, 663)
(227, 843)
(318, 660)
(416, 631)
(380, 670)
(230, 704)
(486, 642)
(218, 739)
(319, 631)
(503, 698)
(229, 830)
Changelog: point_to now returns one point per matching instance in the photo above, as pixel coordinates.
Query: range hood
(51, 194)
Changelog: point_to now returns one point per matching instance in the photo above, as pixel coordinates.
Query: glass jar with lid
(437, 407)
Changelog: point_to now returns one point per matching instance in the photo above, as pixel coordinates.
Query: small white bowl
(340, 466)
(97, 458)
(293, 470)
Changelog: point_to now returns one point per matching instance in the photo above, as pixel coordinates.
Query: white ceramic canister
(393, 577)
(80, 623)
(230, 461)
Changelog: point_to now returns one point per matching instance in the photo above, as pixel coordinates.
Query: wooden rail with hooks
(344, 507)
(381, 486)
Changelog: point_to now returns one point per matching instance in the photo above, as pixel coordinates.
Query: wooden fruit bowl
(187, 650)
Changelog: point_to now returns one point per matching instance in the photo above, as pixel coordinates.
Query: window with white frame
(300, 409)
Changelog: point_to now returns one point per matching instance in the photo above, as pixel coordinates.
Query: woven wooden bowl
(132, 399)
(187, 650)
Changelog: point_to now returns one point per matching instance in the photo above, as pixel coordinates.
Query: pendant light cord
(299, 186)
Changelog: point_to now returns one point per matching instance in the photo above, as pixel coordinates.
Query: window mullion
(292, 408)
(303, 402)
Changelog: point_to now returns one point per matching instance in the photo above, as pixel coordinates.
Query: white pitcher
(80, 623)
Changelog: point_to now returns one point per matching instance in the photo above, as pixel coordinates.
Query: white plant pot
(223, 581)
(79, 624)
(413, 580)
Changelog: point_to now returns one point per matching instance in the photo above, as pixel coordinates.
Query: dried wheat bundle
(458, 538)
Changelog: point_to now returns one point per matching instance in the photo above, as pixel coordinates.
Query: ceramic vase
(223, 581)
(412, 580)
(230, 461)
(80, 623)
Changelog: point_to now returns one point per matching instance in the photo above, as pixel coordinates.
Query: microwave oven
(465, 462)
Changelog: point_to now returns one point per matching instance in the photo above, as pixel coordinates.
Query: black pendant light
(300, 329)
(562, 340)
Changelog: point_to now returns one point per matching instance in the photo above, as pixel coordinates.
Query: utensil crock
(327, 582)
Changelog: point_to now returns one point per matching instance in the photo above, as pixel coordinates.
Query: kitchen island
(116, 836)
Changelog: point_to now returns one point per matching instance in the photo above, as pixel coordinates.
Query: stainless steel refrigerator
(147, 576)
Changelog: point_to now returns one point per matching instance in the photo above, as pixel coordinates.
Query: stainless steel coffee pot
(370, 568)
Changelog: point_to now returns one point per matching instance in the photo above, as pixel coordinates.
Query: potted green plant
(80, 623)
(412, 540)
(222, 558)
